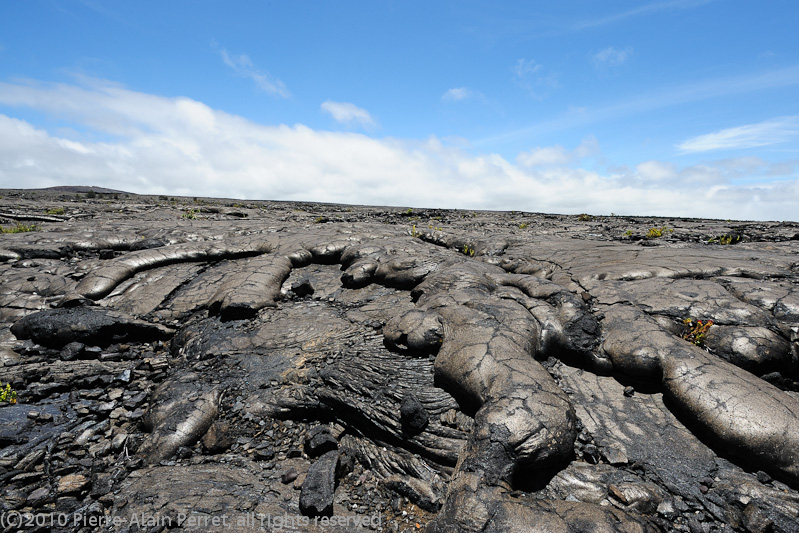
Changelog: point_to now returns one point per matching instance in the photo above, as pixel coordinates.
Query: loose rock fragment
(316, 496)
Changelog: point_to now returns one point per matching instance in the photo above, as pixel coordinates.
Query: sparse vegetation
(656, 233)
(56, 211)
(726, 239)
(468, 250)
(190, 214)
(585, 217)
(19, 228)
(7, 394)
(91, 195)
(523, 225)
(696, 330)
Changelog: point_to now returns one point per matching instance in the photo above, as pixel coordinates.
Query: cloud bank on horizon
(527, 135)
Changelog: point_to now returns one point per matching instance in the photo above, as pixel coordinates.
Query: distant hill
(83, 189)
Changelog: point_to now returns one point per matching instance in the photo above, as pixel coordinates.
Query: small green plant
(468, 250)
(409, 211)
(725, 239)
(7, 394)
(56, 211)
(320, 220)
(656, 233)
(696, 330)
(20, 228)
(415, 234)
(190, 214)
(523, 225)
(91, 195)
(628, 233)
(585, 217)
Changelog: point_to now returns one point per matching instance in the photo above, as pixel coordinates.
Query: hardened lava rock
(278, 364)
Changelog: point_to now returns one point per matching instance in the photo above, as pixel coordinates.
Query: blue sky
(669, 107)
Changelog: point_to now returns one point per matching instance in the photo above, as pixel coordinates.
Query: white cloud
(782, 169)
(180, 146)
(530, 76)
(612, 57)
(544, 157)
(457, 94)
(243, 66)
(553, 156)
(347, 113)
(656, 171)
(774, 131)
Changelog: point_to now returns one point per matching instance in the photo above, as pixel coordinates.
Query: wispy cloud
(531, 77)
(179, 146)
(457, 94)
(612, 57)
(665, 97)
(244, 67)
(347, 113)
(652, 7)
(774, 131)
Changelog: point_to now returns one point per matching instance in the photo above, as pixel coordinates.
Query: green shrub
(7, 394)
(726, 239)
(19, 228)
(656, 233)
(56, 211)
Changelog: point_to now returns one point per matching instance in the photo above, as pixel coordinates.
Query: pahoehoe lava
(442, 370)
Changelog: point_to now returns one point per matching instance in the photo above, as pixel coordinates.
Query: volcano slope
(206, 365)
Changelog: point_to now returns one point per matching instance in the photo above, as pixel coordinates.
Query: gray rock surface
(392, 369)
